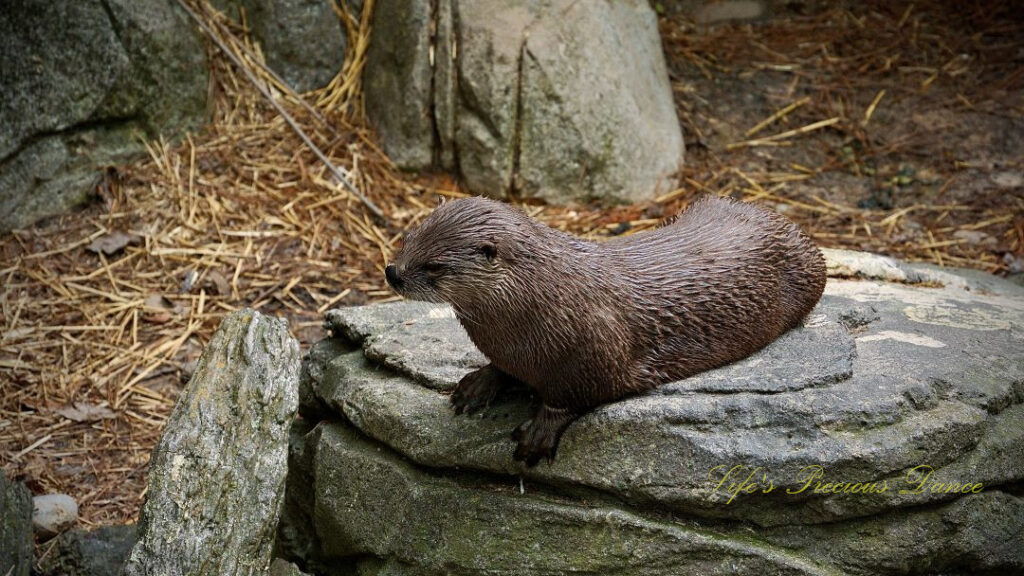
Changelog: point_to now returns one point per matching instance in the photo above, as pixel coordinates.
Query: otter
(583, 323)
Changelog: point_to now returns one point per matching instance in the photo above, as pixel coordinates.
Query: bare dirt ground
(891, 127)
(919, 113)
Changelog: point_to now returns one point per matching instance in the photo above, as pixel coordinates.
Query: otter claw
(477, 389)
(538, 437)
(532, 446)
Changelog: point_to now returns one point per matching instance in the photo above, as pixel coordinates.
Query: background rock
(899, 366)
(15, 528)
(715, 11)
(82, 81)
(303, 41)
(397, 81)
(283, 568)
(53, 513)
(596, 114)
(558, 100)
(216, 479)
(99, 552)
(500, 531)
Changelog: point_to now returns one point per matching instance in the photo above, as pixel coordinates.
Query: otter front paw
(477, 389)
(538, 438)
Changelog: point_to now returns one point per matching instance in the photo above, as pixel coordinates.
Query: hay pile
(104, 312)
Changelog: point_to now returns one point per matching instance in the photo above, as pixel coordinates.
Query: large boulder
(556, 100)
(303, 41)
(216, 477)
(883, 436)
(82, 82)
(99, 552)
(15, 528)
(398, 81)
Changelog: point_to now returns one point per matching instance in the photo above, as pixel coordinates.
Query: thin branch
(284, 114)
(281, 81)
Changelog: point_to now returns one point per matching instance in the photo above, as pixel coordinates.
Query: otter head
(459, 254)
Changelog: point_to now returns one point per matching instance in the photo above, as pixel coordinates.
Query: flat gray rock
(897, 409)
(414, 338)
(496, 530)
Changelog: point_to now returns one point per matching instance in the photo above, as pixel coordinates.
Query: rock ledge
(885, 435)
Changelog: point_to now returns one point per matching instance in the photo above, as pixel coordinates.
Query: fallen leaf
(160, 303)
(1014, 263)
(160, 310)
(156, 301)
(83, 412)
(160, 317)
(189, 281)
(113, 243)
(220, 284)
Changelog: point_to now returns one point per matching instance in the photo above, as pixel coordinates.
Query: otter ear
(490, 250)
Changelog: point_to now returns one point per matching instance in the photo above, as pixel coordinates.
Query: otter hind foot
(479, 388)
(538, 437)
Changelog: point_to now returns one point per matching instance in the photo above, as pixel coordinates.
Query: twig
(872, 106)
(281, 81)
(284, 114)
(779, 114)
(33, 446)
(333, 301)
(787, 134)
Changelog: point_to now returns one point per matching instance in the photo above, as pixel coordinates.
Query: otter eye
(433, 267)
(489, 250)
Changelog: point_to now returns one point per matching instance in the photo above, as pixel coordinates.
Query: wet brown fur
(586, 323)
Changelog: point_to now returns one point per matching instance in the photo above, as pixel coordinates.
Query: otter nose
(391, 274)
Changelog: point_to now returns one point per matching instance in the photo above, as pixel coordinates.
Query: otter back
(717, 284)
(587, 323)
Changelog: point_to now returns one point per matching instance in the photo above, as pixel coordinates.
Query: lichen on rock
(560, 100)
(216, 479)
(83, 82)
